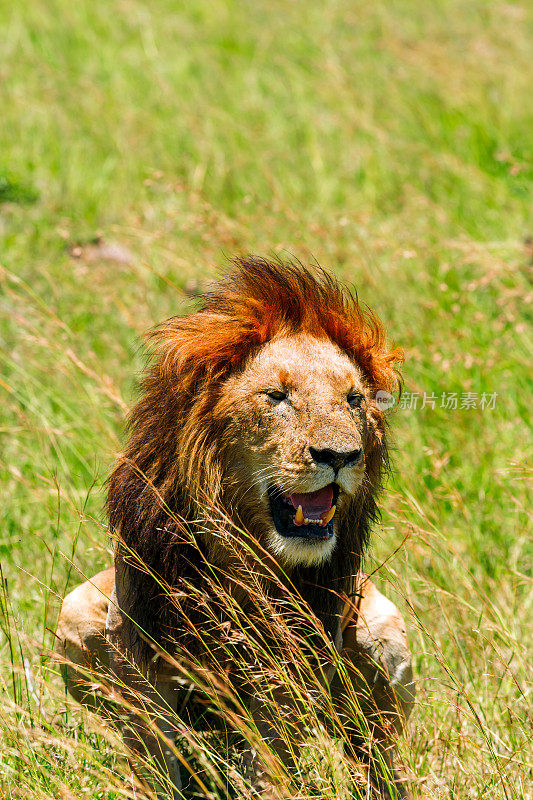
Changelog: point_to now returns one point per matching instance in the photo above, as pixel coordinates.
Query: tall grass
(142, 143)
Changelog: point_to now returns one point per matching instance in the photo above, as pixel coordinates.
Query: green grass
(143, 143)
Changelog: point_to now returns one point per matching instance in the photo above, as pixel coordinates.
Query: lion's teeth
(329, 516)
(299, 518)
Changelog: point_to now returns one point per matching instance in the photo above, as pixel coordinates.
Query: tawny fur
(188, 423)
(206, 444)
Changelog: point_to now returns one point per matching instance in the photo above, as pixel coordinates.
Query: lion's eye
(276, 395)
(355, 400)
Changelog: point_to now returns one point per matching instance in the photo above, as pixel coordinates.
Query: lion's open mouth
(308, 515)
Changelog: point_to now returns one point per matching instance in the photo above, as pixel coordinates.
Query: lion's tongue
(314, 504)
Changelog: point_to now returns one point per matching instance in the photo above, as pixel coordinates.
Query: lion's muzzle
(304, 514)
(336, 459)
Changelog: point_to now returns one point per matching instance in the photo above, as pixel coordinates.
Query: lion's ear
(175, 342)
(389, 377)
(203, 348)
(202, 344)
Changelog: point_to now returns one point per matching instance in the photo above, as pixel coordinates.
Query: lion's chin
(300, 551)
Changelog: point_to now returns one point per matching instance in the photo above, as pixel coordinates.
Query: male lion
(254, 459)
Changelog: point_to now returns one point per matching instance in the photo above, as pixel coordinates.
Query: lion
(255, 455)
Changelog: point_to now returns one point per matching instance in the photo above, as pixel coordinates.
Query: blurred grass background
(141, 145)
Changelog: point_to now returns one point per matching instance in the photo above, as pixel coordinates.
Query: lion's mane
(171, 475)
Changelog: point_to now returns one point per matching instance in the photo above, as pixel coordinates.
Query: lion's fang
(299, 516)
(329, 516)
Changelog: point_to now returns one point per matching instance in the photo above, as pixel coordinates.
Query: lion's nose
(336, 458)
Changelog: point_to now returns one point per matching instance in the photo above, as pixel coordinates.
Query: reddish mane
(173, 468)
(262, 299)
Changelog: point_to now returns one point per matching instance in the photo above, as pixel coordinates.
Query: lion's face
(301, 423)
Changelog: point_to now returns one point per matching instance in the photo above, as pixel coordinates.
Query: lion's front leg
(375, 641)
(80, 636)
(93, 639)
(149, 724)
(378, 658)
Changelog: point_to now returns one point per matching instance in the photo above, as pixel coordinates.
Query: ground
(140, 146)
